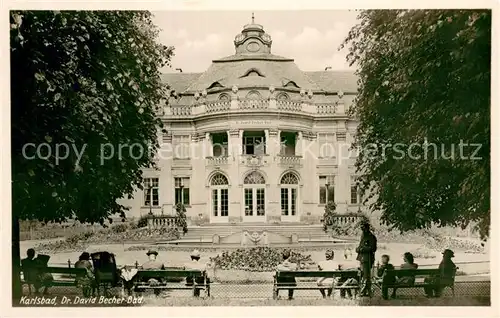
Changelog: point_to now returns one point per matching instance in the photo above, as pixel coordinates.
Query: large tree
(88, 84)
(424, 97)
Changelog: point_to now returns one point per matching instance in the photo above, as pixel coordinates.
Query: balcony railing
(325, 108)
(290, 160)
(289, 105)
(217, 161)
(218, 106)
(292, 106)
(254, 104)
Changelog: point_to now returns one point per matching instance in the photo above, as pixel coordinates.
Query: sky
(312, 38)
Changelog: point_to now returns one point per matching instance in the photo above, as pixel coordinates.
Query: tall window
(180, 146)
(326, 189)
(182, 190)
(355, 199)
(254, 194)
(288, 141)
(220, 145)
(151, 192)
(254, 143)
(289, 184)
(220, 198)
(326, 144)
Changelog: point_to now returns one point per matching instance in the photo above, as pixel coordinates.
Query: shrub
(256, 259)
(120, 228)
(143, 221)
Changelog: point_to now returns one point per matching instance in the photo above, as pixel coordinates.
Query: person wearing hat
(366, 257)
(195, 264)
(447, 270)
(286, 265)
(327, 265)
(153, 263)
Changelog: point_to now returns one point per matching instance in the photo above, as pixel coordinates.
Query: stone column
(233, 171)
(267, 143)
(273, 212)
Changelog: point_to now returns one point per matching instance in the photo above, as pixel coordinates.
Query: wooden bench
(164, 277)
(314, 274)
(67, 278)
(419, 274)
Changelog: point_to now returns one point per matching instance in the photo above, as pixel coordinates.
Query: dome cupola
(253, 40)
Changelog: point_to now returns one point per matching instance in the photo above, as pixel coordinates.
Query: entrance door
(289, 197)
(219, 199)
(254, 198)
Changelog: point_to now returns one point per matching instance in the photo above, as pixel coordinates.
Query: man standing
(366, 257)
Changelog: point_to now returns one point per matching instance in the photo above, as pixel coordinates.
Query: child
(327, 265)
(387, 279)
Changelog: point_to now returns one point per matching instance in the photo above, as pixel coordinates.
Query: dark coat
(367, 248)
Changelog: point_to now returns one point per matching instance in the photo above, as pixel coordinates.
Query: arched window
(253, 95)
(254, 178)
(224, 97)
(220, 195)
(215, 85)
(253, 72)
(254, 195)
(289, 185)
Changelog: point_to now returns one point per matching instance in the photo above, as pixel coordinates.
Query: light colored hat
(195, 253)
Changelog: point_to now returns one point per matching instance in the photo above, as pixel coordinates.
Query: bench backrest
(58, 270)
(147, 274)
(413, 272)
(348, 274)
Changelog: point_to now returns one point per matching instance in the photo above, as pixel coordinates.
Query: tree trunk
(16, 260)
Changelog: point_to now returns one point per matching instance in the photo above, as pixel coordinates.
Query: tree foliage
(424, 86)
(328, 215)
(89, 80)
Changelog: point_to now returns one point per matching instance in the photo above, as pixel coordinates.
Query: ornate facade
(254, 139)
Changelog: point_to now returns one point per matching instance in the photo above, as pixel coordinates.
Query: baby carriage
(105, 270)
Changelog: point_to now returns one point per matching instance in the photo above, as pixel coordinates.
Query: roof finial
(253, 18)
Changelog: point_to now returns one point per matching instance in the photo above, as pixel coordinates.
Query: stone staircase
(304, 234)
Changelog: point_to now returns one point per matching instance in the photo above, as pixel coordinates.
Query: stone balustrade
(289, 105)
(222, 107)
(162, 221)
(217, 161)
(293, 161)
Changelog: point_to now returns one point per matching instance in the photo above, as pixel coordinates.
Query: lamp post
(150, 200)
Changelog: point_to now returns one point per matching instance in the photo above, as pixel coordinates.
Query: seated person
(327, 265)
(42, 279)
(153, 264)
(348, 264)
(447, 270)
(286, 265)
(195, 264)
(86, 282)
(387, 279)
(406, 280)
(29, 269)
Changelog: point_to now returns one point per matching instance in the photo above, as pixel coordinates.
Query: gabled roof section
(179, 81)
(333, 81)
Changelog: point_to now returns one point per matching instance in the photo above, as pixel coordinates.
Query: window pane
(155, 182)
(354, 195)
(215, 203)
(177, 182)
(294, 199)
(322, 195)
(248, 202)
(156, 200)
(147, 196)
(186, 195)
(185, 182)
(284, 201)
(178, 196)
(261, 203)
(224, 202)
(331, 193)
